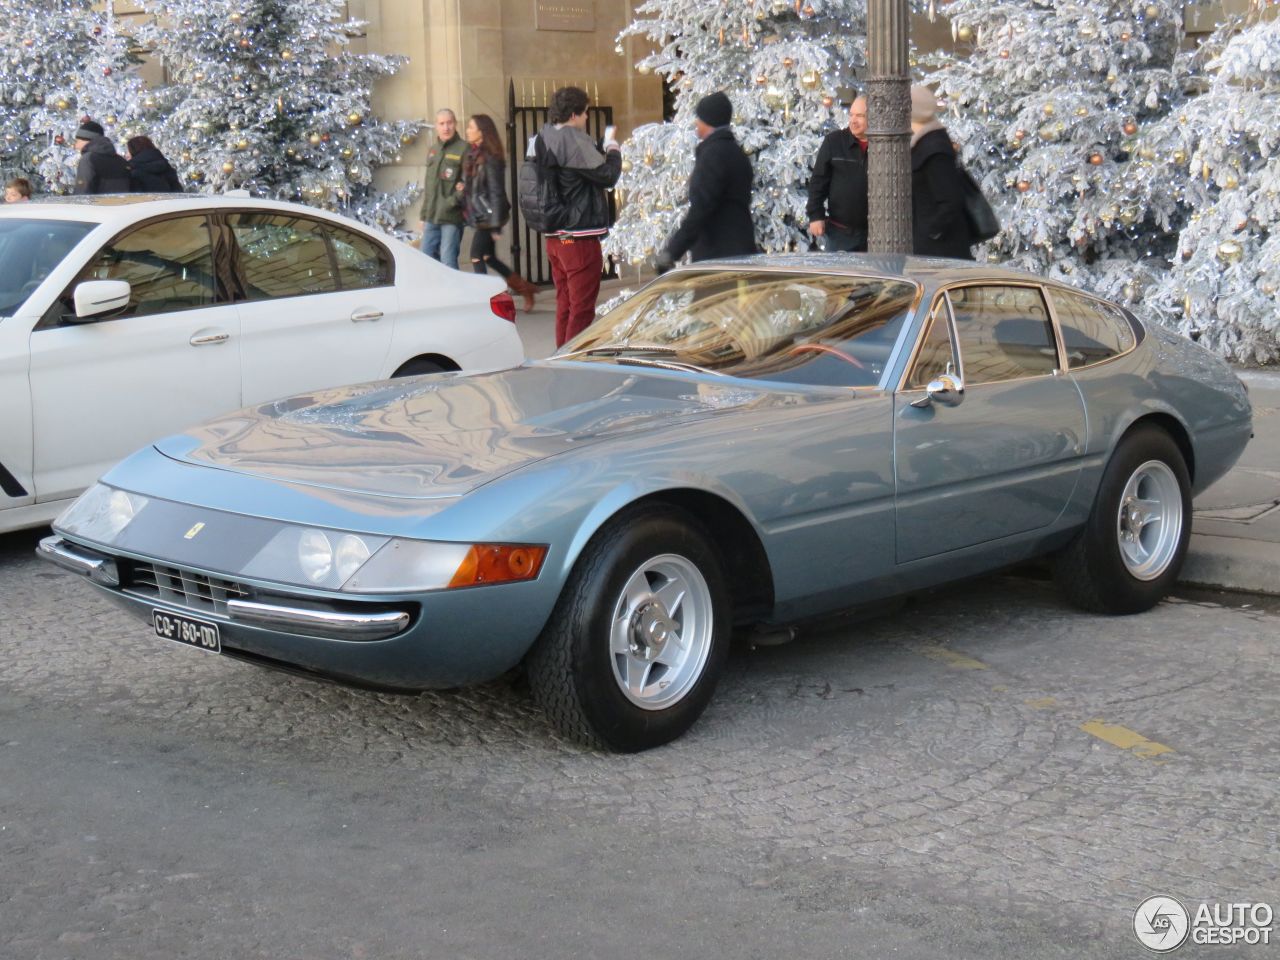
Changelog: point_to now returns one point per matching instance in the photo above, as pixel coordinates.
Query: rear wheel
(638, 639)
(1129, 554)
(420, 366)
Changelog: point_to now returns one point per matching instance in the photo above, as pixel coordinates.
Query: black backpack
(541, 204)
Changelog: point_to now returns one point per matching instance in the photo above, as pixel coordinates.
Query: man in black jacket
(837, 207)
(718, 223)
(101, 169)
(583, 174)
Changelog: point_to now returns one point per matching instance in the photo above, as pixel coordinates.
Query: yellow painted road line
(1125, 739)
(951, 658)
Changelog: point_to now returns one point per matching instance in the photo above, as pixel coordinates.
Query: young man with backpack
(565, 200)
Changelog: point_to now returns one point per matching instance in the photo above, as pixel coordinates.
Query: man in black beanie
(718, 223)
(101, 169)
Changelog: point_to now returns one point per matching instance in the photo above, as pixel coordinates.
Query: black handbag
(983, 222)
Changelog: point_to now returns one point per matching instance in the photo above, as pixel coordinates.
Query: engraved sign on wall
(564, 15)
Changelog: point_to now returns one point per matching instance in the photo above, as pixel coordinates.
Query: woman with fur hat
(939, 227)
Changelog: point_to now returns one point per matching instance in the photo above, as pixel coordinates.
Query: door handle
(210, 338)
(362, 315)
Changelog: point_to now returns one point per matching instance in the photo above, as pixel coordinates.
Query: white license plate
(180, 629)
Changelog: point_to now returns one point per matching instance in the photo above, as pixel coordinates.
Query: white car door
(319, 306)
(102, 389)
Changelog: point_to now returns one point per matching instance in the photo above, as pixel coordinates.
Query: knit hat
(89, 129)
(714, 110)
(924, 105)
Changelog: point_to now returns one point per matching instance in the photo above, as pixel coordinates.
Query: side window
(282, 256)
(361, 262)
(1092, 331)
(935, 357)
(1003, 332)
(168, 263)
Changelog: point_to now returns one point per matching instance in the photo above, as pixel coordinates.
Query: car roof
(930, 272)
(125, 208)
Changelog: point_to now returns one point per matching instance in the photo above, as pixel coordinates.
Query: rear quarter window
(1092, 330)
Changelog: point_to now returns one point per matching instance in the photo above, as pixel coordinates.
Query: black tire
(571, 667)
(1092, 570)
(419, 366)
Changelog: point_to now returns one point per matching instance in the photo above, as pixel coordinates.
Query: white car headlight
(101, 513)
(350, 555)
(315, 555)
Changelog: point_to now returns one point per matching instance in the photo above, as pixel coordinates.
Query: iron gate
(524, 120)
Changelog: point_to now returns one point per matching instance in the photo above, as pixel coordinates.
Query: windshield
(823, 330)
(29, 251)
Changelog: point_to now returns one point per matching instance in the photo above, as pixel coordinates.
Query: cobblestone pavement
(986, 772)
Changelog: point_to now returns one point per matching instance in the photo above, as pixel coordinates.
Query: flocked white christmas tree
(266, 96)
(1046, 99)
(783, 65)
(65, 61)
(1219, 156)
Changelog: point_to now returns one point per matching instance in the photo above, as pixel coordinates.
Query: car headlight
(101, 513)
(311, 557)
(315, 555)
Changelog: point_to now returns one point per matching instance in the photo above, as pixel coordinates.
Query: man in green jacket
(441, 213)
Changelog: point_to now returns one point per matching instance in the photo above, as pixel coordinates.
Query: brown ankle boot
(524, 288)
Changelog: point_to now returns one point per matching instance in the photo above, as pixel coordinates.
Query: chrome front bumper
(305, 621)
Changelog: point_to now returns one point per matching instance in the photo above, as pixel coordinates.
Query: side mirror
(94, 299)
(947, 390)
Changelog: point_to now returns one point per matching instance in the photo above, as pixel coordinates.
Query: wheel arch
(1176, 429)
(446, 364)
(747, 567)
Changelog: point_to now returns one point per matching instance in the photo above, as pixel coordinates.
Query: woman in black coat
(939, 226)
(149, 171)
(485, 207)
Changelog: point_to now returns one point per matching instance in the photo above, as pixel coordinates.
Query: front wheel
(1129, 554)
(638, 639)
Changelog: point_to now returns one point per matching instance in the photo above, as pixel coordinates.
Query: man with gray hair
(441, 214)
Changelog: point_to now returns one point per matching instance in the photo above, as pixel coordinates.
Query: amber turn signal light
(498, 563)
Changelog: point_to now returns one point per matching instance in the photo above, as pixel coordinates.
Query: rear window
(802, 328)
(29, 252)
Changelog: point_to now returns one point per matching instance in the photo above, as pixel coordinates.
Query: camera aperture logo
(1162, 924)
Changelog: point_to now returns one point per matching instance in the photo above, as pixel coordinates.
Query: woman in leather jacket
(485, 206)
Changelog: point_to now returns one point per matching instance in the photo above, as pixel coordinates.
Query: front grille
(184, 588)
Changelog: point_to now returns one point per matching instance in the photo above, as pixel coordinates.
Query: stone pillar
(888, 128)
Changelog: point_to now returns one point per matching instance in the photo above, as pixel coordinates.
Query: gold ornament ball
(761, 79)
(111, 119)
(186, 156)
(353, 170)
(1020, 134)
(788, 62)
(1111, 78)
(809, 79)
(149, 103)
(347, 153)
(964, 34)
(648, 159)
(1152, 10)
(28, 42)
(242, 144)
(760, 14)
(235, 16)
(354, 118)
(286, 54)
(228, 167)
(1095, 159)
(617, 48)
(1088, 31)
(1082, 111)
(1023, 186)
(1048, 109)
(290, 152)
(314, 139)
(1125, 37)
(1229, 251)
(828, 101)
(644, 68)
(626, 166)
(1129, 128)
(244, 42)
(1004, 54)
(1179, 157)
(61, 104)
(408, 139)
(1231, 182)
(807, 11)
(1048, 133)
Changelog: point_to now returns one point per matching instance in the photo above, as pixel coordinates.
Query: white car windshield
(807, 328)
(29, 251)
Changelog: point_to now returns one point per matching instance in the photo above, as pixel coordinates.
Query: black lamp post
(888, 128)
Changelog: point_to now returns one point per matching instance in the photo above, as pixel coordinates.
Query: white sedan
(125, 318)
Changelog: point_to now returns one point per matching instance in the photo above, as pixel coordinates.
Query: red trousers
(576, 264)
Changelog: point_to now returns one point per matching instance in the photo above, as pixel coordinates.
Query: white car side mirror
(94, 298)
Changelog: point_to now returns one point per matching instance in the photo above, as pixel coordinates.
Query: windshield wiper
(668, 365)
(619, 349)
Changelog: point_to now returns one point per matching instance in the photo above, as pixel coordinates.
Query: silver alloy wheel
(661, 632)
(1149, 521)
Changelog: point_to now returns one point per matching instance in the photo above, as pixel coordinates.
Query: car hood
(445, 435)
